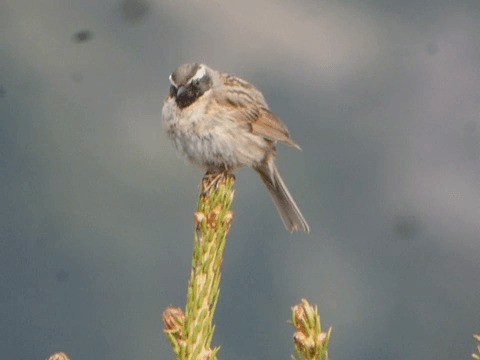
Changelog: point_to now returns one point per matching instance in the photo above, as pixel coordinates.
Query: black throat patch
(193, 91)
(188, 97)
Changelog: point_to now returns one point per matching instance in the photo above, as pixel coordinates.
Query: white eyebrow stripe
(200, 73)
(171, 80)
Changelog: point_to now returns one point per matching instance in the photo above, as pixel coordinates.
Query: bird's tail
(287, 208)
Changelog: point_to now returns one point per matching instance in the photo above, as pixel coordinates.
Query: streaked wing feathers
(249, 104)
(271, 128)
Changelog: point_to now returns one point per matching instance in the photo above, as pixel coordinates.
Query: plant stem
(311, 343)
(191, 332)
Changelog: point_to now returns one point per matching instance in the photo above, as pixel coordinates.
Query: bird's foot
(212, 179)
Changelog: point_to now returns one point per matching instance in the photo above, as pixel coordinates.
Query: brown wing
(250, 106)
(271, 128)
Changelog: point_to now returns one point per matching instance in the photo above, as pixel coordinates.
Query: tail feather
(287, 208)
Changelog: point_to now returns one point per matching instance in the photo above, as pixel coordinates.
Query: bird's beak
(180, 90)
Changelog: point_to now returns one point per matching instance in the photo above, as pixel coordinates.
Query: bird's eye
(196, 82)
(173, 91)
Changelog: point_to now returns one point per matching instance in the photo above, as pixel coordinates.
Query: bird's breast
(212, 138)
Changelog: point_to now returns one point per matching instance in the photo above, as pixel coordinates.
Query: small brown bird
(221, 122)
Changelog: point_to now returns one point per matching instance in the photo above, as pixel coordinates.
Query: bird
(221, 123)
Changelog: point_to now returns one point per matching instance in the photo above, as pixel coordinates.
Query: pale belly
(213, 143)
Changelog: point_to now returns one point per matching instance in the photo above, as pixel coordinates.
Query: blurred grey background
(96, 209)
